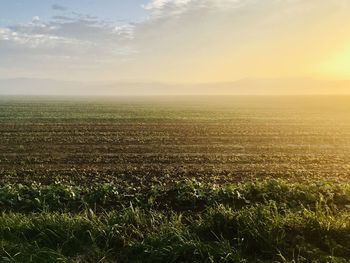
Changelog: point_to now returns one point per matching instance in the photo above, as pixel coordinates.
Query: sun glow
(338, 65)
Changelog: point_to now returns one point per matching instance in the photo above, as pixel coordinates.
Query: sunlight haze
(174, 41)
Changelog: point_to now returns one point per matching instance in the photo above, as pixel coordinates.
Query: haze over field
(295, 86)
(175, 131)
(168, 47)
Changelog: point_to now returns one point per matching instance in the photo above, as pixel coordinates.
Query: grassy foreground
(270, 221)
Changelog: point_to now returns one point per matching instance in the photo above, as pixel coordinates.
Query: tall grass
(189, 222)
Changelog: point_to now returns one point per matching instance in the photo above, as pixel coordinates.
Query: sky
(174, 41)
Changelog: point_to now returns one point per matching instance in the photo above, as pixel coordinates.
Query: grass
(187, 222)
(211, 179)
(185, 195)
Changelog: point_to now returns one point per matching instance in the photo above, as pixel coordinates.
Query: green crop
(234, 179)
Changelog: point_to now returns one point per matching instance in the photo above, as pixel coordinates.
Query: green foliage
(155, 180)
(185, 195)
(188, 222)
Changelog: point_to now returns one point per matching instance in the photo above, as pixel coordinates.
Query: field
(184, 179)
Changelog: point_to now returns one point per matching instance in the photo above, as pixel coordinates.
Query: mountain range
(248, 86)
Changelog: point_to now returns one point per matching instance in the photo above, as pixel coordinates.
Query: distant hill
(249, 86)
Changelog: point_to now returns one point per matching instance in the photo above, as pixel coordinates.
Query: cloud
(36, 19)
(4, 34)
(79, 28)
(73, 44)
(180, 40)
(163, 4)
(33, 40)
(59, 7)
(167, 8)
(125, 31)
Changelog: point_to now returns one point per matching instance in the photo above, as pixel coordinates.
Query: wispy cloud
(59, 7)
(74, 29)
(73, 41)
(167, 8)
(195, 40)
